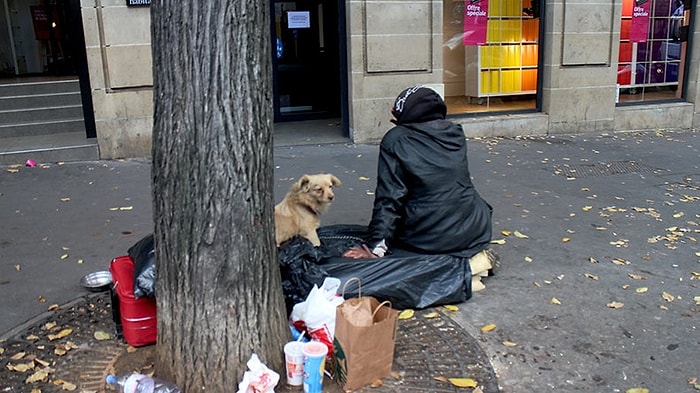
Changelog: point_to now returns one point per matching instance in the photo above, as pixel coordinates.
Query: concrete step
(8, 103)
(19, 87)
(41, 115)
(37, 128)
(73, 146)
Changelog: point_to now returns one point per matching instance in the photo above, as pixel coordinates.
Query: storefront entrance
(308, 59)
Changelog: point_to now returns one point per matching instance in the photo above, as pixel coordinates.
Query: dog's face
(318, 188)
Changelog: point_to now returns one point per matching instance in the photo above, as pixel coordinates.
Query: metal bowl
(97, 281)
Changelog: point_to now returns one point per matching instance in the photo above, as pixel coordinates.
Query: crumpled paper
(259, 378)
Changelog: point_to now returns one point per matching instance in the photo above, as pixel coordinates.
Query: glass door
(306, 66)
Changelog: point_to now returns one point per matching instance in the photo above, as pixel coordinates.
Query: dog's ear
(335, 181)
(303, 183)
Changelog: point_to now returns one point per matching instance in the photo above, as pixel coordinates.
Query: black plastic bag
(406, 279)
(144, 256)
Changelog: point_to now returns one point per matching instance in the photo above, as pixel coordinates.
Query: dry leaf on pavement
(463, 382)
(520, 235)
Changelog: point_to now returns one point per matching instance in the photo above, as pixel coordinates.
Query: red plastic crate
(138, 316)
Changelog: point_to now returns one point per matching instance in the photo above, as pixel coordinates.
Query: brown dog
(300, 210)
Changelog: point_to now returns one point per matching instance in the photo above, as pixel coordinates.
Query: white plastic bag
(259, 378)
(316, 314)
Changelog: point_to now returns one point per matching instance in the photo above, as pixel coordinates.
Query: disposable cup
(314, 364)
(294, 359)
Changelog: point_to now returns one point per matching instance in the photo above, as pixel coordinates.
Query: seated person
(425, 201)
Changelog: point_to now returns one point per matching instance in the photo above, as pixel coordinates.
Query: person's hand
(359, 252)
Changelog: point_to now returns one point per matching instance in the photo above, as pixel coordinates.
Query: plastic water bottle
(139, 383)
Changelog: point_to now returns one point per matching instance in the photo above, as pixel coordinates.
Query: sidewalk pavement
(598, 236)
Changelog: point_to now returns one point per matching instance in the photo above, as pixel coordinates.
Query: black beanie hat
(418, 104)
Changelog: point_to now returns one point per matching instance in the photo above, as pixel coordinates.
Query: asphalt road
(598, 235)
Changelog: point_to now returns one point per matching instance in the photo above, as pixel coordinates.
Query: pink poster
(639, 26)
(475, 22)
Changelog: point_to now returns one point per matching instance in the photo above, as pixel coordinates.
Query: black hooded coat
(425, 201)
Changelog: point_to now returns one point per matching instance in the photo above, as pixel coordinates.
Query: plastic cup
(314, 365)
(294, 360)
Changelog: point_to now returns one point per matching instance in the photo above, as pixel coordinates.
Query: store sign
(476, 16)
(138, 3)
(639, 28)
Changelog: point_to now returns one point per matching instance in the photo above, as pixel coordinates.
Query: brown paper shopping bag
(363, 346)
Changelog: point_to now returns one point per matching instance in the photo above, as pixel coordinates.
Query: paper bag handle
(380, 306)
(359, 286)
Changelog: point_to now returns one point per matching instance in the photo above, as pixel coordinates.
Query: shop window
(490, 55)
(652, 50)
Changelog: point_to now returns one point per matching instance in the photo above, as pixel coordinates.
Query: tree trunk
(218, 284)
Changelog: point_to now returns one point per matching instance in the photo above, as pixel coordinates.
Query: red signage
(639, 26)
(475, 22)
(42, 21)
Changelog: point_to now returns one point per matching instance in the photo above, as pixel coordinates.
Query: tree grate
(602, 169)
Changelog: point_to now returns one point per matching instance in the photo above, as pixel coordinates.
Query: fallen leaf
(441, 378)
(510, 344)
(39, 376)
(528, 259)
(555, 301)
(636, 276)
(65, 199)
(668, 297)
(592, 260)
(637, 390)
(64, 256)
(587, 208)
(620, 261)
(591, 276)
(42, 363)
(21, 367)
(53, 307)
(506, 233)
(615, 305)
(565, 239)
(488, 328)
(696, 299)
(395, 375)
(498, 241)
(406, 314)
(18, 267)
(463, 382)
(61, 334)
(520, 235)
(363, 178)
(450, 307)
(122, 208)
(678, 215)
(642, 290)
(101, 336)
(18, 356)
(431, 315)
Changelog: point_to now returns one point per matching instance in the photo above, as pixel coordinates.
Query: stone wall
(393, 44)
(118, 45)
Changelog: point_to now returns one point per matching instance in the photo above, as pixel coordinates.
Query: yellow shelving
(507, 64)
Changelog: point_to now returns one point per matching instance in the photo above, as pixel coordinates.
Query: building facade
(505, 67)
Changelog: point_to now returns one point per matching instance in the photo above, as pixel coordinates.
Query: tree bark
(218, 286)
